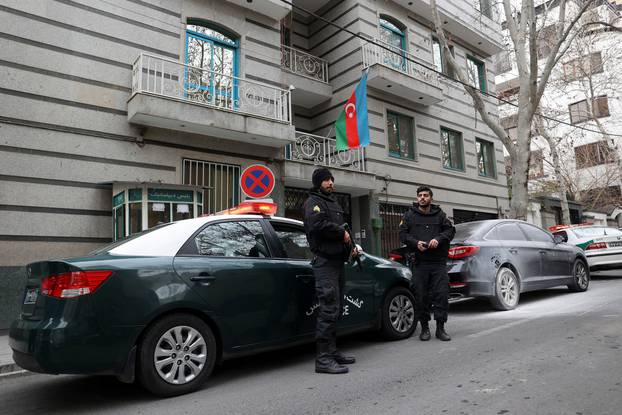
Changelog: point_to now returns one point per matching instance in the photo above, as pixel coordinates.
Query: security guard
(427, 232)
(329, 242)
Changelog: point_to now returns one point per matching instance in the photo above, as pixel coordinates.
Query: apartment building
(119, 115)
(584, 93)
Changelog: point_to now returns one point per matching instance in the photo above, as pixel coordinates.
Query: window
(439, 59)
(509, 232)
(485, 158)
(451, 149)
(136, 210)
(393, 35)
(593, 154)
(579, 111)
(169, 205)
(233, 239)
(212, 58)
(536, 164)
(293, 240)
(546, 39)
(583, 66)
(535, 234)
(484, 7)
(400, 132)
(118, 215)
(476, 73)
(563, 235)
(221, 182)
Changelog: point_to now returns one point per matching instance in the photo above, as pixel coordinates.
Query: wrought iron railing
(304, 64)
(168, 78)
(382, 53)
(309, 148)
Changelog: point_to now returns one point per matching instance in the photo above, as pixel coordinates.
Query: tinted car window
(293, 240)
(563, 235)
(535, 234)
(232, 239)
(509, 232)
(465, 230)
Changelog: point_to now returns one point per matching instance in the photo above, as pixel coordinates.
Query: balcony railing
(322, 151)
(398, 59)
(171, 79)
(304, 64)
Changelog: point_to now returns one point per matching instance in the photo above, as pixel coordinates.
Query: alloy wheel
(401, 313)
(508, 288)
(180, 355)
(580, 275)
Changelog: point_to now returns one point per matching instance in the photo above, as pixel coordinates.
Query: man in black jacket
(427, 232)
(329, 242)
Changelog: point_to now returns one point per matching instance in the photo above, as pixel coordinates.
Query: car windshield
(465, 230)
(120, 242)
(597, 231)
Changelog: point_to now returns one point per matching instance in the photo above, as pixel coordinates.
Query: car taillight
(596, 245)
(396, 257)
(462, 251)
(73, 284)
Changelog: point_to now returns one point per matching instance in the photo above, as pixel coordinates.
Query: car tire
(580, 277)
(507, 290)
(176, 355)
(398, 314)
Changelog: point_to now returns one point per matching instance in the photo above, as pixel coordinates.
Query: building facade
(117, 116)
(584, 93)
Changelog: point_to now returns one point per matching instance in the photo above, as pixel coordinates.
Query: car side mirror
(558, 239)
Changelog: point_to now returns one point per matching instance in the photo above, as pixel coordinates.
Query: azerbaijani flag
(351, 126)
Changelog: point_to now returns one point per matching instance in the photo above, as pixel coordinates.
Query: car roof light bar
(252, 207)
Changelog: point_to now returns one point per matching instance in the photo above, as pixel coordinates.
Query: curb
(12, 370)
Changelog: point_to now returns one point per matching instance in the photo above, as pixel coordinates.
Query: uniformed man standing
(330, 243)
(427, 232)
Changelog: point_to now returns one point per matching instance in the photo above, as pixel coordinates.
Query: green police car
(166, 305)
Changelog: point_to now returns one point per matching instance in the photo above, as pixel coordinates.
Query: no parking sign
(257, 181)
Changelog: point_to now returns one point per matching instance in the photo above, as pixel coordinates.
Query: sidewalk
(8, 368)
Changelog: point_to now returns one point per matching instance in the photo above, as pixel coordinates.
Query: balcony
(392, 70)
(308, 74)
(275, 9)
(310, 151)
(168, 94)
(462, 19)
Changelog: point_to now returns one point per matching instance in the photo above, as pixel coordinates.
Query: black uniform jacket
(418, 226)
(323, 218)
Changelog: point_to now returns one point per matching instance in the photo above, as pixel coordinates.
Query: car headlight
(406, 273)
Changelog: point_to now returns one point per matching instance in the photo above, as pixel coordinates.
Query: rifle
(352, 247)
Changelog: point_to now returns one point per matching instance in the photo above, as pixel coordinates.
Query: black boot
(339, 358)
(325, 362)
(425, 332)
(441, 334)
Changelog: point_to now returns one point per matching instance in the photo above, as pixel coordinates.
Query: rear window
(466, 230)
(592, 232)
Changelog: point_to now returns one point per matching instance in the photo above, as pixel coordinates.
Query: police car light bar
(250, 207)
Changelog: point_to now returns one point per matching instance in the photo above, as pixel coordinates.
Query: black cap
(319, 175)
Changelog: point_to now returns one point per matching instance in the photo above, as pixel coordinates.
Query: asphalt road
(557, 353)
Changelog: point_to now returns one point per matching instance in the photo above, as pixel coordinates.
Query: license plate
(31, 296)
(614, 244)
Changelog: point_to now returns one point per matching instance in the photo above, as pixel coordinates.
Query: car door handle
(204, 278)
(542, 251)
(306, 278)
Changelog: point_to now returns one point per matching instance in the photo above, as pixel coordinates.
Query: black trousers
(329, 283)
(431, 286)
